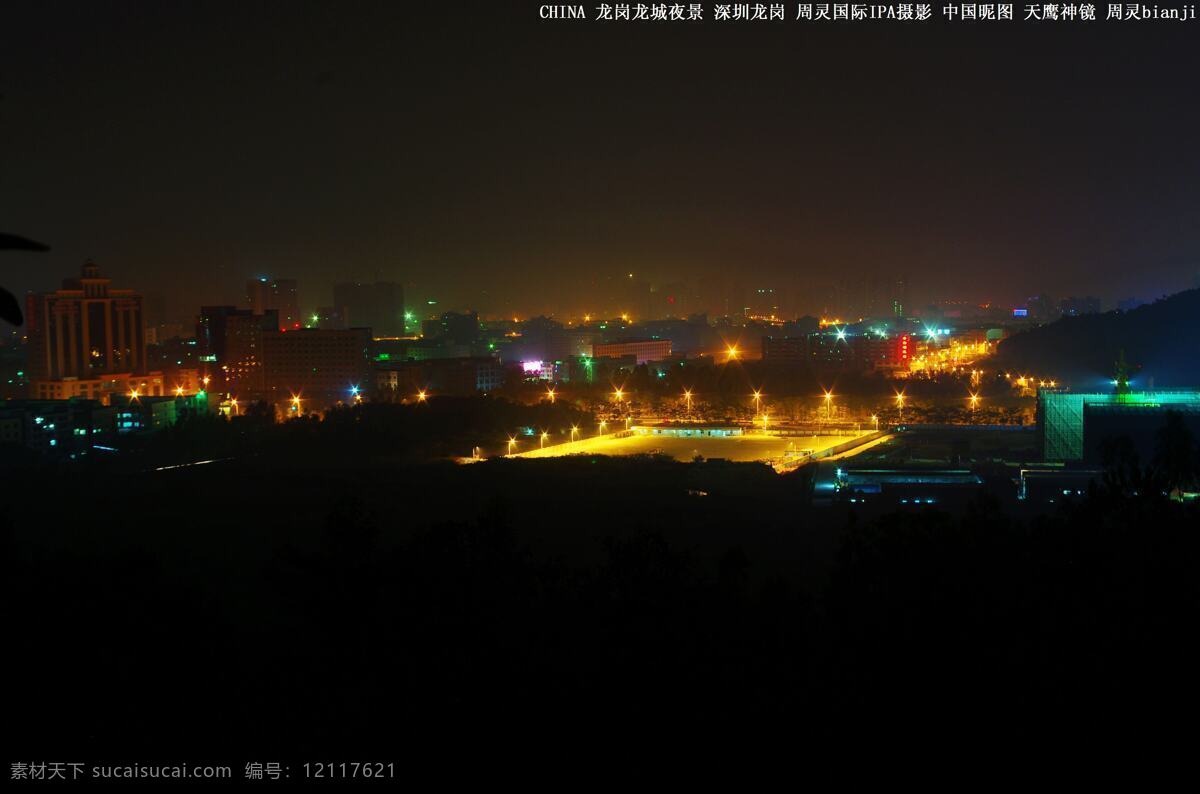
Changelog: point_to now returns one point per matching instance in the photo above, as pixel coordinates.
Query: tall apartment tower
(278, 294)
(378, 306)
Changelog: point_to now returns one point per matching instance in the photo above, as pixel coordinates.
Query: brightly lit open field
(749, 447)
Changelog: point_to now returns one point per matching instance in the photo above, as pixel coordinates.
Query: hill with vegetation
(1161, 341)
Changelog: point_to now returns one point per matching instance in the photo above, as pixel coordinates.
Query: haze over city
(491, 160)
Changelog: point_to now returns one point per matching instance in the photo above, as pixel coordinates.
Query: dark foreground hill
(1161, 342)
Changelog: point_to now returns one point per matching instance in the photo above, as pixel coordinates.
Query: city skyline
(680, 299)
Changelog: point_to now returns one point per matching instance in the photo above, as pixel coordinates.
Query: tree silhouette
(1175, 457)
(10, 309)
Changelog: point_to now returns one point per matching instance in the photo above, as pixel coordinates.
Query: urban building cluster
(101, 360)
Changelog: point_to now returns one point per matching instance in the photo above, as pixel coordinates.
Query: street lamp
(628, 419)
(296, 403)
(178, 391)
(618, 395)
(545, 435)
(574, 431)
(687, 396)
(900, 404)
(732, 353)
(512, 442)
(233, 402)
(875, 419)
(603, 425)
(974, 402)
(421, 396)
(757, 400)
(550, 394)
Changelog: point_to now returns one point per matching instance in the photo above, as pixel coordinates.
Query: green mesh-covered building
(1063, 417)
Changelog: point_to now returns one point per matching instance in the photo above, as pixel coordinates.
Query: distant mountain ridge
(1161, 341)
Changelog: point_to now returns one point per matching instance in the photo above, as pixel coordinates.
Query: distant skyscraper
(900, 303)
(264, 294)
(458, 328)
(1043, 308)
(378, 306)
(84, 332)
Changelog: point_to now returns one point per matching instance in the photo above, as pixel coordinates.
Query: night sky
(492, 160)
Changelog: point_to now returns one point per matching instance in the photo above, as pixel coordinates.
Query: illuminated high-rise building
(86, 332)
(278, 294)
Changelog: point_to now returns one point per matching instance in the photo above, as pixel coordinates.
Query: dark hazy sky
(487, 158)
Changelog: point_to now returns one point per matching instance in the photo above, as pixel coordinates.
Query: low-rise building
(446, 376)
(644, 350)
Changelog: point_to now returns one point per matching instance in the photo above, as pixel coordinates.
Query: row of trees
(314, 608)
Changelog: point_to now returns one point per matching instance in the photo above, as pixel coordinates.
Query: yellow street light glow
(133, 394)
(421, 396)
(574, 430)
(687, 395)
(603, 425)
(512, 442)
(732, 352)
(178, 391)
(757, 399)
(618, 394)
(550, 394)
(545, 435)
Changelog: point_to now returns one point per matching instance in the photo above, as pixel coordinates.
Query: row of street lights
(575, 433)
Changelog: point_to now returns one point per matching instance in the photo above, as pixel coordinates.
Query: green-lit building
(1072, 424)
